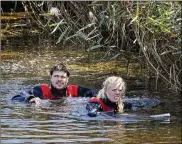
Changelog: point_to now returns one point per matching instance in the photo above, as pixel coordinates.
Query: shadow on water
(65, 120)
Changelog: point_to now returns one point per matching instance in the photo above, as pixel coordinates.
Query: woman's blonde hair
(114, 80)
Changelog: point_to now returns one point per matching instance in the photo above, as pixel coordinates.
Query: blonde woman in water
(109, 98)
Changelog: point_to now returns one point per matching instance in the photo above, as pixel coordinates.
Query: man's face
(59, 79)
(114, 92)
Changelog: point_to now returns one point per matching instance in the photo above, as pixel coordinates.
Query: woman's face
(59, 79)
(114, 92)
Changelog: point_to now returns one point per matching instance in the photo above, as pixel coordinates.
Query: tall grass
(148, 32)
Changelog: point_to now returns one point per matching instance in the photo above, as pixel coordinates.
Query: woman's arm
(93, 109)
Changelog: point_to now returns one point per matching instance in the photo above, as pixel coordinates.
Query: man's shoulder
(42, 85)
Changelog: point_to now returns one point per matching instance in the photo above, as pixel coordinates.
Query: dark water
(64, 121)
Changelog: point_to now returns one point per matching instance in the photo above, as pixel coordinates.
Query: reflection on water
(65, 120)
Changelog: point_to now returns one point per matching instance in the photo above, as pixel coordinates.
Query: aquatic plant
(147, 32)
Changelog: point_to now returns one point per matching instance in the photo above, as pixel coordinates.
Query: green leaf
(137, 11)
(81, 34)
(87, 26)
(134, 19)
(61, 22)
(114, 57)
(46, 14)
(95, 47)
(71, 36)
(62, 35)
(52, 25)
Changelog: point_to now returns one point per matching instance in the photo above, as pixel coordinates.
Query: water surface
(65, 120)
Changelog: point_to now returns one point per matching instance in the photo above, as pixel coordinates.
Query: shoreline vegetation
(137, 39)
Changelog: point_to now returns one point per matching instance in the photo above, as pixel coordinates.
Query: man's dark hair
(60, 67)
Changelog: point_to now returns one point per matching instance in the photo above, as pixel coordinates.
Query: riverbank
(38, 52)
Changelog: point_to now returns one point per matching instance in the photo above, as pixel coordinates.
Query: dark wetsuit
(45, 92)
(103, 104)
(96, 105)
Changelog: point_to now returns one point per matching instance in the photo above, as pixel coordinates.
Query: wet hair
(60, 67)
(113, 80)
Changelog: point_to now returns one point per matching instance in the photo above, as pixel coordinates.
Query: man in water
(59, 76)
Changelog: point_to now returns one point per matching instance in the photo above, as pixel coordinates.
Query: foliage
(148, 32)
